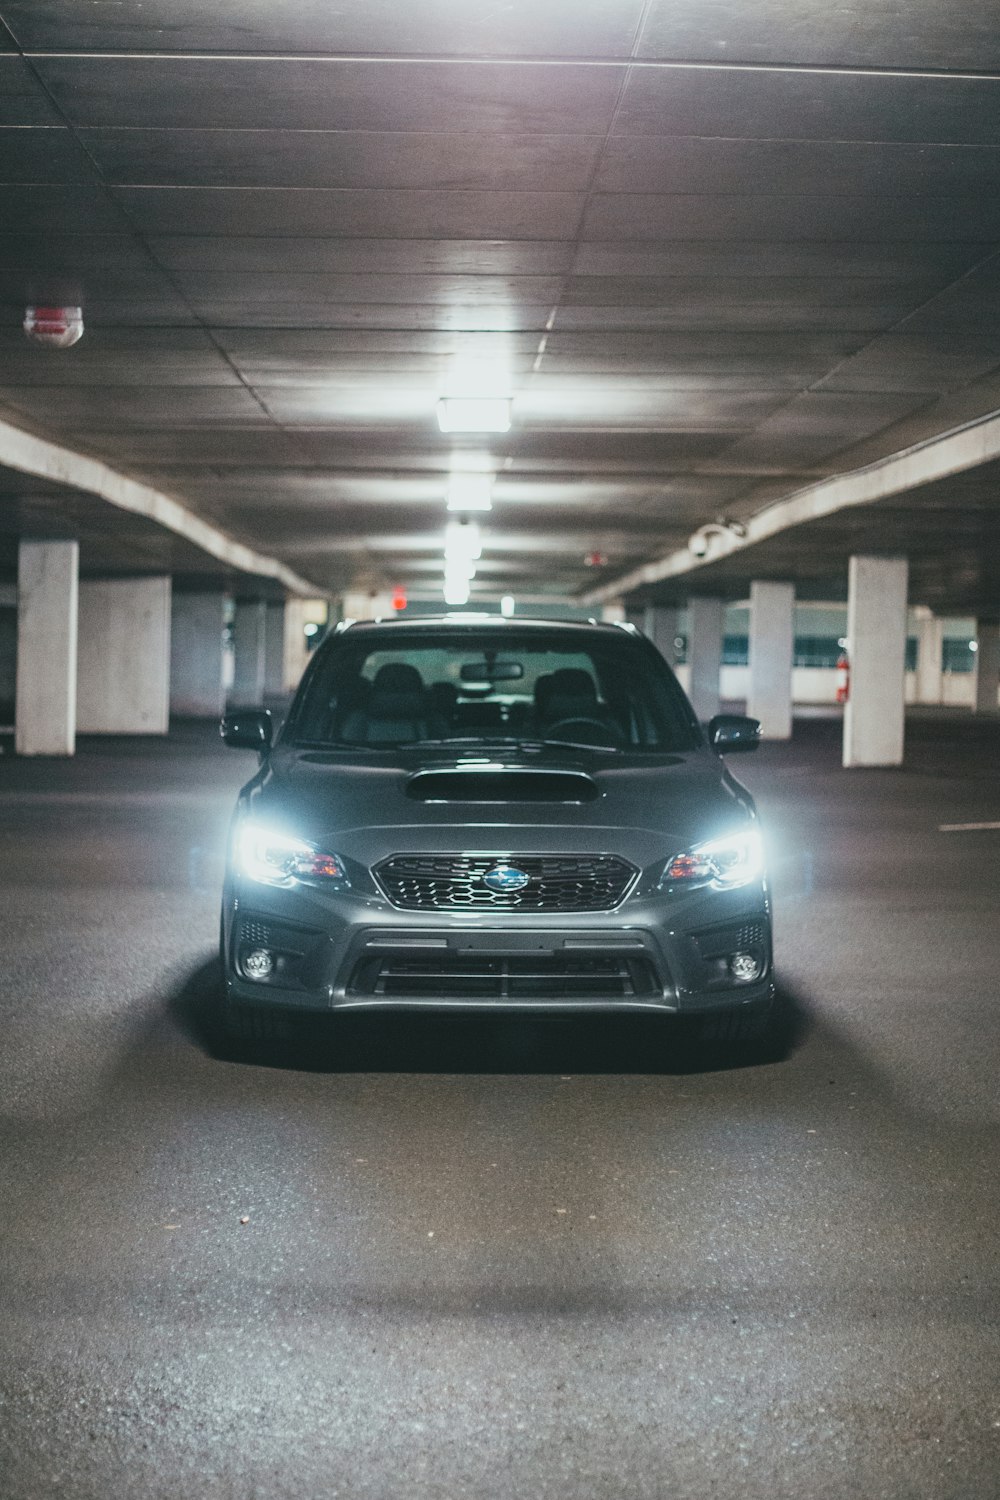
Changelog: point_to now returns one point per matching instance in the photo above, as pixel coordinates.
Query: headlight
(731, 861)
(277, 860)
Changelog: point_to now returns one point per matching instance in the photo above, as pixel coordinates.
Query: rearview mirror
(247, 729)
(484, 671)
(728, 733)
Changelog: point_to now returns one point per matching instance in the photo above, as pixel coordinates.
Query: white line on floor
(964, 827)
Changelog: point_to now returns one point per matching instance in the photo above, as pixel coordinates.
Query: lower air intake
(459, 976)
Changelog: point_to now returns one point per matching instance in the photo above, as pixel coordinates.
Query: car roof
(486, 622)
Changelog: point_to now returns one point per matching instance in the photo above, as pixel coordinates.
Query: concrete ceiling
(716, 250)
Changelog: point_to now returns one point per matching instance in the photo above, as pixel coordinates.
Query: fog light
(258, 964)
(744, 967)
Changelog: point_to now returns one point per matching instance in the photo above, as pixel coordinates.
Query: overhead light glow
(507, 606)
(470, 492)
(474, 413)
(462, 541)
(455, 592)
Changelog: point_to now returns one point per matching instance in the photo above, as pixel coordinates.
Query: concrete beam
(37, 456)
(954, 452)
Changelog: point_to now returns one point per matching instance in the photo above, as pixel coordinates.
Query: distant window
(957, 655)
(735, 650)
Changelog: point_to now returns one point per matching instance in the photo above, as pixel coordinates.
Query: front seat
(570, 696)
(397, 709)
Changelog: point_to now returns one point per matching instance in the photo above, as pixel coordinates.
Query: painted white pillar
(613, 611)
(987, 666)
(660, 624)
(772, 648)
(123, 674)
(45, 698)
(876, 644)
(706, 618)
(930, 644)
(249, 640)
(197, 624)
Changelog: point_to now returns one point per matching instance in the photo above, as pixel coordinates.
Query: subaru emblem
(505, 879)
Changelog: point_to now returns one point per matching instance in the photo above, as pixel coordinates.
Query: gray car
(490, 814)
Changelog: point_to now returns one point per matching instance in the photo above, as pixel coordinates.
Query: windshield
(383, 690)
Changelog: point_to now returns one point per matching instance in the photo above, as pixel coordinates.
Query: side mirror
(728, 733)
(247, 729)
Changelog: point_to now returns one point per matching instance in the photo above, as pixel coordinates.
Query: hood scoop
(497, 784)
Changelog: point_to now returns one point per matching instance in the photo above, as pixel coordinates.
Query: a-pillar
(876, 644)
(706, 618)
(987, 665)
(197, 633)
(660, 624)
(45, 696)
(250, 646)
(930, 645)
(772, 647)
(123, 671)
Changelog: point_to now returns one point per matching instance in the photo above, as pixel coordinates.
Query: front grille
(556, 882)
(461, 976)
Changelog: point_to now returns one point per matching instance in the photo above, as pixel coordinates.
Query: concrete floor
(490, 1258)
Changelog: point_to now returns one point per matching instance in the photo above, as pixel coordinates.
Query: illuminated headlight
(732, 861)
(276, 859)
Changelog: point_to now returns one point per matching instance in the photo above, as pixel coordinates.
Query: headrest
(571, 682)
(397, 677)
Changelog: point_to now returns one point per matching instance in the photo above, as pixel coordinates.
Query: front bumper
(662, 951)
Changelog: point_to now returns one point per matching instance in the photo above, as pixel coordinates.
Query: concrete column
(8, 652)
(275, 623)
(704, 654)
(930, 643)
(613, 611)
(298, 614)
(196, 655)
(772, 647)
(660, 624)
(987, 666)
(250, 640)
(372, 606)
(876, 644)
(123, 683)
(47, 598)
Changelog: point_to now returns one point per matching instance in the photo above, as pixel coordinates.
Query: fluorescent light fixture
(463, 571)
(507, 606)
(455, 592)
(474, 413)
(462, 541)
(470, 492)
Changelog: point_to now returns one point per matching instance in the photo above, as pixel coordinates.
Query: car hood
(498, 801)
